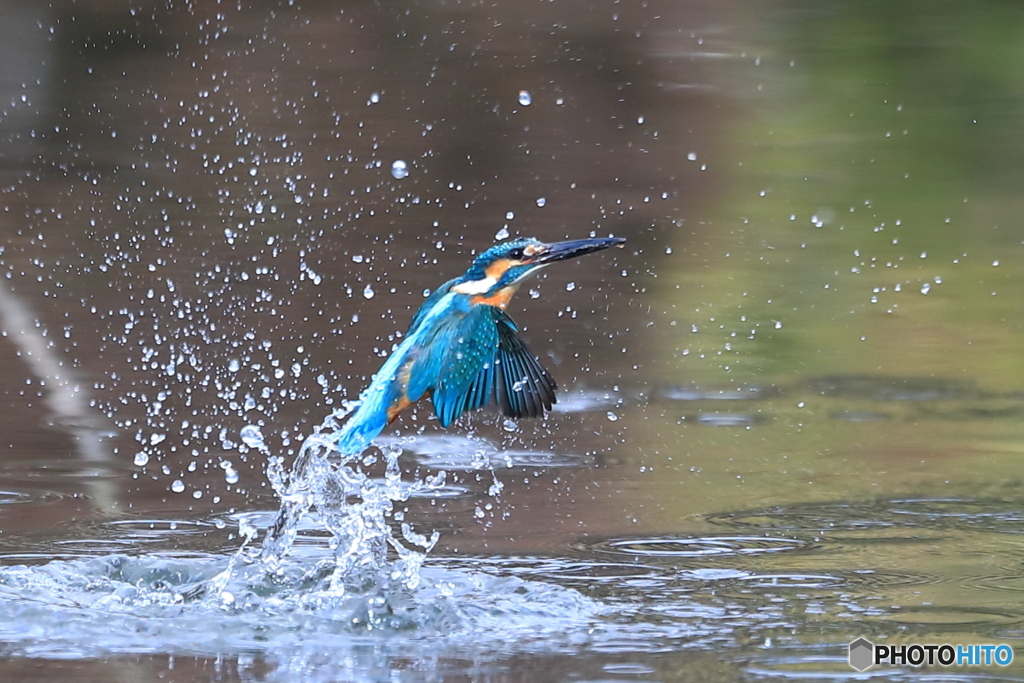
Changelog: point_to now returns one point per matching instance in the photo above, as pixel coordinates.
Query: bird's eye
(517, 254)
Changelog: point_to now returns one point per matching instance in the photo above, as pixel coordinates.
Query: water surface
(789, 412)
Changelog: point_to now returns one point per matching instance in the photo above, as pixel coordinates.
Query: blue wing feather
(526, 389)
(473, 358)
(463, 378)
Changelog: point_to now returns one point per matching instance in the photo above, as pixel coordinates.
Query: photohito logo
(865, 654)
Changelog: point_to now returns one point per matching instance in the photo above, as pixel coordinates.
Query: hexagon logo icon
(862, 654)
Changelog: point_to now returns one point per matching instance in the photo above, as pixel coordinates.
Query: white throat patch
(475, 286)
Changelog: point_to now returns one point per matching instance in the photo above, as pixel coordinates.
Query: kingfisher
(462, 350)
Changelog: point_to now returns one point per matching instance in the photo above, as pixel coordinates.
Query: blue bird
(462, 350)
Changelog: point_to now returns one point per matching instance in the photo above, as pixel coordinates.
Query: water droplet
(368, 292)
(508, 425)
(399, 169)
(253, 171)
(571, 286)
(541, 201)
(612, 417)
(141, 459)
(247, 529)
(995, 263)
(510, 215)
(501, 234)
(692, 156)
(178, 486)
(925, 288)
(157, 438)
(525, 98)
(252, 437)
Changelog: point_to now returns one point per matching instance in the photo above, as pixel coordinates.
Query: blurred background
(216, 214)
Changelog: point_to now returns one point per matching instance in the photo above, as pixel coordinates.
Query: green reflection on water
(871, 219)
(863, 269)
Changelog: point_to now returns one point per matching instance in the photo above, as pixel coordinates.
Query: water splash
(333, 476)
(92, 607)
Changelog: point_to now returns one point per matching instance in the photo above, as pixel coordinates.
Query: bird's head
(499, 270)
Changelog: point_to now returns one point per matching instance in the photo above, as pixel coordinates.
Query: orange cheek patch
(498, 268)
(499, 299)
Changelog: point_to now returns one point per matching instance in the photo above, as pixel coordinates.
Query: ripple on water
(461, 453)
(740, 393)
(879, 388)
(872, 580)
(585, 400)
(158, 529)
(675, 546)
(961, 513)
(1008, 583)
(817, 663)
(799, 581)
(63, 469)
(629, 668)
(11, 497)
(717, 419)
(567, 571)
(90, 538)
(18, 497)
(936, 514)
(957, 616)
(724, 579)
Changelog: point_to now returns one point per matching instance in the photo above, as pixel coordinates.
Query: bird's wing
(477, 359)
(457, 364)
(524, 387)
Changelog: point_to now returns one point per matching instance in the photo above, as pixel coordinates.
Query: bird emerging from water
(462, 350)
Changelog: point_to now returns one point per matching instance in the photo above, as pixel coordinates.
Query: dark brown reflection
(200, 212)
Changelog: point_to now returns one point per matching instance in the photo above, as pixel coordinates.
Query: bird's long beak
(559, 251)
